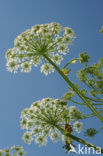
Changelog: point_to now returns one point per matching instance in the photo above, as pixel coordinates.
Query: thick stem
(79, 139)
(74, 88)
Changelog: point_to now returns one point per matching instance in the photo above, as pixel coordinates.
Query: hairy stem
(74, 88)
(79, 139)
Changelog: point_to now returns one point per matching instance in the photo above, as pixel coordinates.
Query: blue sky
(20, 90)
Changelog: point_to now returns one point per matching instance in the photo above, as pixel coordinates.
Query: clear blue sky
(20, 90)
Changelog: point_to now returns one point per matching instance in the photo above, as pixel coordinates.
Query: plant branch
(77, 102)
(74, 88)
(92, 114)
(79, 140)
(96, 100)
(100, 129)
(71, 62)
(85, 104)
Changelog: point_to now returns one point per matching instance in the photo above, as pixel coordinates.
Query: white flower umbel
(41, 140)
(47, 68)
(31, 47)
(27, 137)
(55, 136)
(45, 119)
(74, 113)
(78, 126)
(42, 120)
(14, 150)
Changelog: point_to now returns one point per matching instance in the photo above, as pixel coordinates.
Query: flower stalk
(79, 140)
(100, 129)
(73, 60)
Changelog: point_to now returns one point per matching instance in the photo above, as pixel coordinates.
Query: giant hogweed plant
(44, 45)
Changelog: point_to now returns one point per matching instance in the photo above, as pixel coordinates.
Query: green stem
(92, 114)
(93, 77)
(74, 88)
(99, 104)
(99, 108)
(100, 129)
(96, 100)
(77, 102)
(85, 104)
(79, 139)
(70, 62)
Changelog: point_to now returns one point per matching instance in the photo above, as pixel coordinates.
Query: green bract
(84, 58)
(68, 95)
(101, 30)
(91, 132)
(31, 47)
(43, 119)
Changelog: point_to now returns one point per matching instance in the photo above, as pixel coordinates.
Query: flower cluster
(74, 113)
(78, 126)
(67, 96)
(92, 76)
(70, 94)
(31, 47)
(90, 132)
(13, 151)
(44, 119)
(84, 58)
